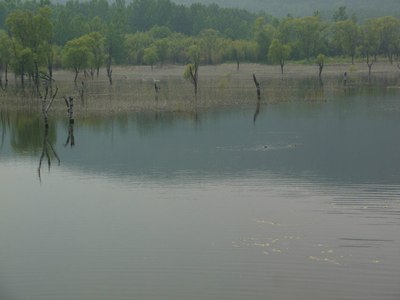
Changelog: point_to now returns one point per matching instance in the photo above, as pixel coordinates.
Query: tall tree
(263, 35)
(150, 56)
(279, 53)
(348, 37)
(308, 41)
(31, 34)
(5, 57)
(115, 36)
(209, 43)
(370, 42)
(77, 54)
(96, 44)
(389, 32)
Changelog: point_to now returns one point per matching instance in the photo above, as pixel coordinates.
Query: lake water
(303, 203)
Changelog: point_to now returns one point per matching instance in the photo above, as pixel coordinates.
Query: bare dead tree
(70, 109)
(46, 102)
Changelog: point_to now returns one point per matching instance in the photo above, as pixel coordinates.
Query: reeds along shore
(221, 85)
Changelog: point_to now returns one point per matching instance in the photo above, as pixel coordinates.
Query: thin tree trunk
(321, 66)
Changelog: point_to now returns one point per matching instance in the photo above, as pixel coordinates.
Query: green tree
(347, 37)
(96, 43)
(135, 44)
(5, 57)
(162, 48)
(263, 35)
(238, 49)
(177, 48)
(279, 53)
(309, 39)
(208, 40)
(77, 54)
(150, 56)
(389, 32)
(32, 39)
(115, 36)
(340, 14)
(370, 42)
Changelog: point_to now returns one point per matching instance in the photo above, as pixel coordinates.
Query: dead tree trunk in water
(257, 86)
(258, 98)
(70, 109)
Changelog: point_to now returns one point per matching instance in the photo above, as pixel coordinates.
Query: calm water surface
(304, 203)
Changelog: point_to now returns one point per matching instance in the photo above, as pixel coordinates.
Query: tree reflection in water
(47, 150)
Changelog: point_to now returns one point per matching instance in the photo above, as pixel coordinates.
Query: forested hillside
(363, 8)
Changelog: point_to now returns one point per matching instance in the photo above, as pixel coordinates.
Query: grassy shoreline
(221, 85)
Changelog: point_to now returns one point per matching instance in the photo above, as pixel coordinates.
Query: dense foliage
(38, 36)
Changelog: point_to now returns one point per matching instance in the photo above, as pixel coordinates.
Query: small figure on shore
(344, 78)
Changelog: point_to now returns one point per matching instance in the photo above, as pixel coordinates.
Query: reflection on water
(47, 151)
(301, 204)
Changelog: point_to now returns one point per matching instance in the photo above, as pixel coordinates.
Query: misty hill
(362, 8)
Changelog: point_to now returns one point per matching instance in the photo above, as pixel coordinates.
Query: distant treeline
(36, 37)
(365, 9)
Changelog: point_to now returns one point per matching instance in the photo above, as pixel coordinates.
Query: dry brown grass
(133, 87)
